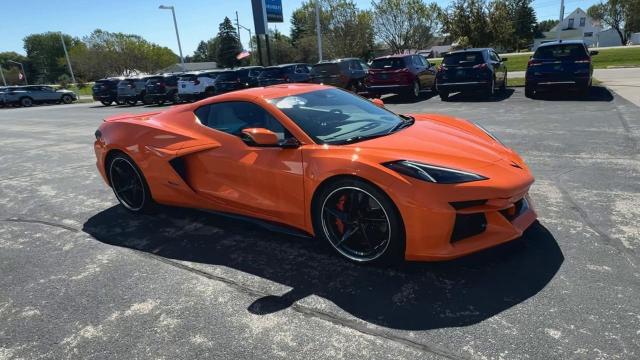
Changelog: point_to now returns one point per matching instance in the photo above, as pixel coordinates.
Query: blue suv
(560, 64)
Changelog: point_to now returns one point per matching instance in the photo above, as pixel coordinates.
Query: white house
(580, 26)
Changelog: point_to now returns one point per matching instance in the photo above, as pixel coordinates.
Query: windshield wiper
(357, 139)
(406, 122)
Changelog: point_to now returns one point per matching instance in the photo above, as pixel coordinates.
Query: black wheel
(145, 99)
(359, 221)
(120, 102)
(529, 91)
(26, 102)
(491, 91)
(160, 102)
(128, 184)
(106, 102)
(67, 99)
(444, 96)
(175, 98)
(415, 90)
(503, 87)
(132, 102)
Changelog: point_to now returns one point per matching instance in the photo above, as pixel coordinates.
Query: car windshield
(334, 116)
(559, 52)
(463, 58)
(388, 63)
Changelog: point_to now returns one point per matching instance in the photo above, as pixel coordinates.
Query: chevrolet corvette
(375, 185)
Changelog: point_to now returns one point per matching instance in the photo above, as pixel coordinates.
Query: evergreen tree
(229, 45)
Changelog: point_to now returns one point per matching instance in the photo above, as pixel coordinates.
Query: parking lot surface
(82, 278)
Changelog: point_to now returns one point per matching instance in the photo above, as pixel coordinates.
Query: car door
(357, 71)
(429, 73)
(498, 66)
(419, 69)
(264, 182)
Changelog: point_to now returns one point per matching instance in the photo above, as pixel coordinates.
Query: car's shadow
(412, 296)
(480, 97)
(596, 93)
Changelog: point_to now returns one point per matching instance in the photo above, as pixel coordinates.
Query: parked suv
(471, 70)
(558, 64)
(162, 88)
(345, 73)
(106, 90)
(285, 73)
(132, 90)
(197, 85)
(400, 74)
(248, 75)
(228, 81)
(36, 94)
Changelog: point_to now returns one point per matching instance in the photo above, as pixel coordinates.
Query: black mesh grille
(459, 205)
(515, 211)
(468, 225)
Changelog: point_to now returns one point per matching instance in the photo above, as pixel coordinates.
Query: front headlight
(488, 133)
(431, 173)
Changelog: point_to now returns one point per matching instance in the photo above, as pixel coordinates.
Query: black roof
(469, 50)
(551, 43)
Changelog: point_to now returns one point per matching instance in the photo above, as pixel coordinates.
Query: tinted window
(190, 77)
(233, 117)
(325, 69)
(463, 58)
(388, 63)
(270, 73)
(155, 78)
(494, 56)
(171, 80)
(227, 76)
(334, 116)
(302, 69)
(561, 51)
(355, 65)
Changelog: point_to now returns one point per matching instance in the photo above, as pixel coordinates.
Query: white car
(198, 85)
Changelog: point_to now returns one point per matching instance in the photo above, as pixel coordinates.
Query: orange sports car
(378, 186)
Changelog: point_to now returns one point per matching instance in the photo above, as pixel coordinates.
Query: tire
(106, 103)
(145, 99)
(132, 102)
(120, 102)
(359, 221)
(26, 102)
(129, 185)
(491, 91)
(529, 91)
(175, 99)
(503, 87)
(444, 96)
(160, 102)
(414, 93)
(66, 99)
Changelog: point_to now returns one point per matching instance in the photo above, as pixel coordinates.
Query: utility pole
(238, 27)
(66, 54)
(318, 31)
(2, 74)
(559, 30)
(175, 24)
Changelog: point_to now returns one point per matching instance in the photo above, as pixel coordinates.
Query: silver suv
(35, 94)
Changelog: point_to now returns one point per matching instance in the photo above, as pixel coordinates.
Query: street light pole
(559, 30)
(318, 31)
(66, 54)
(21, 67)
(175, 24)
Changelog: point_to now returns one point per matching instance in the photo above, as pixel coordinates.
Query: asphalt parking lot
(82, 278)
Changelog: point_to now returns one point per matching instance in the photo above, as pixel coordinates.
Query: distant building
(580, 26)
(197, 66)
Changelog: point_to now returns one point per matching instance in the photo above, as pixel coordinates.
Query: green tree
(524, 23)
(229, 44)
(12, 71)
(202, 52)
(622, 15)
(546, 25)
(404, 24)
(500, 24)
(468, 20)
(46, 55)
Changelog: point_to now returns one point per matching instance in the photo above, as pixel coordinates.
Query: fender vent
(180, 167)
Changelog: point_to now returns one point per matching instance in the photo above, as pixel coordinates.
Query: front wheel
(26, 102)
(503, 87)
(359, 221)
(67, 99)
(491, 91)
(106, 102)
(129, 185)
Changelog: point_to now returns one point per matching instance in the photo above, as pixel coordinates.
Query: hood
(437, 140)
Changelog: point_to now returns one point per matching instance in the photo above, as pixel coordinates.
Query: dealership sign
(274, 10)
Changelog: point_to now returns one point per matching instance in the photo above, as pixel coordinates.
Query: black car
(162, 88)
(344, 73)
(560, 64)
(228, 80)
(285, 73)
(471, 70)
(105, 90)
(248, 75)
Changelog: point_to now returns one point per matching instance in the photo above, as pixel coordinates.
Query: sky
(197, 19)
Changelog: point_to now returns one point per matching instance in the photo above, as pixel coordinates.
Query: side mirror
(505, 59)
(378, 102)
(594, 52)
(261, 136)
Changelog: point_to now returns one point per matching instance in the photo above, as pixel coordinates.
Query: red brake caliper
(340, 206)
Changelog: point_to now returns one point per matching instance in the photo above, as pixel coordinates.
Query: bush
(64, 80)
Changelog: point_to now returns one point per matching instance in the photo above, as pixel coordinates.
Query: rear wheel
(106, 102)
(503, 87)
(444, 96)
(529, 91)
(26, 102)
(129, 185)
(132, 102)
(415, 90)
(491, 91)
(359, 221)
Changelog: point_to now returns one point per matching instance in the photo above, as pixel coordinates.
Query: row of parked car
(479, 70)
(29, 95)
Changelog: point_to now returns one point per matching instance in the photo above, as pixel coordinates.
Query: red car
(400, 74)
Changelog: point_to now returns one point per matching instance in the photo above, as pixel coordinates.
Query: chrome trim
(464, 83)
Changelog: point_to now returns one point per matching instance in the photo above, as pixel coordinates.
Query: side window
(355, 65)
(234, 116)
(494, 56)
(364, 66)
